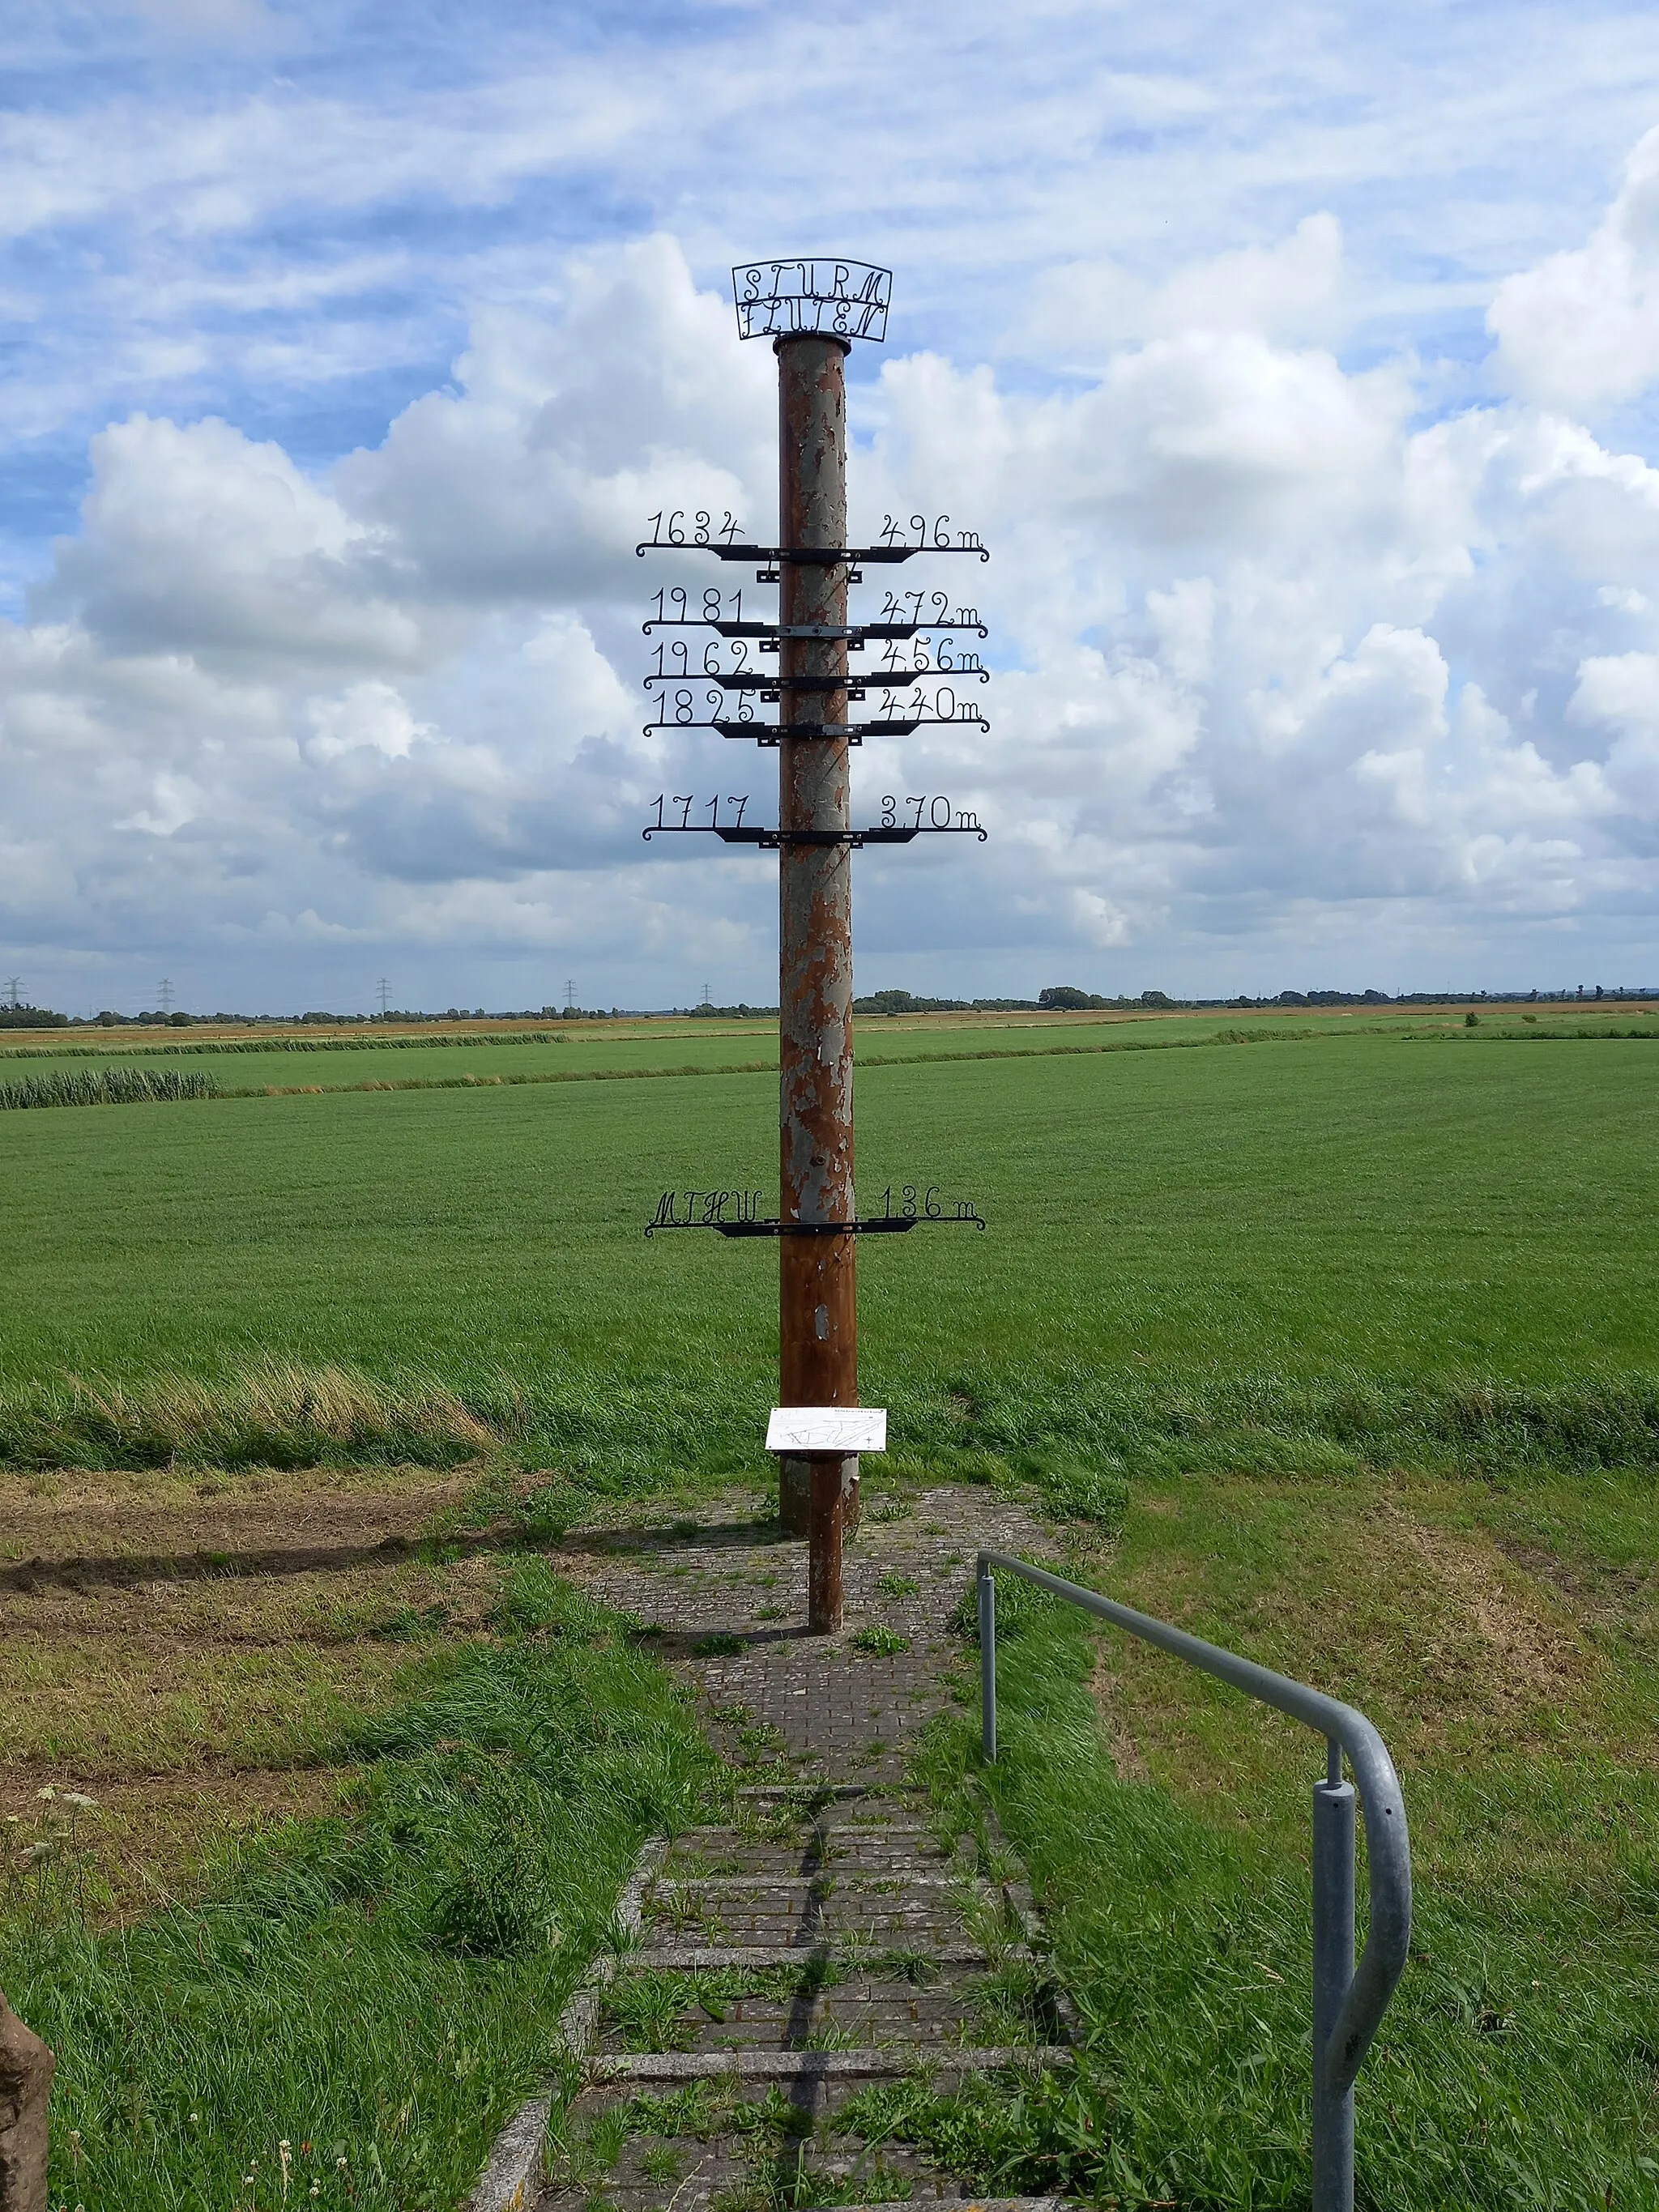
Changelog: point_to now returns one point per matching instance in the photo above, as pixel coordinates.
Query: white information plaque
(827, 1429)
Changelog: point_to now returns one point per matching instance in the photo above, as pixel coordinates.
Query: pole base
(795, 1496)
(795, 1499)
(835, 1487)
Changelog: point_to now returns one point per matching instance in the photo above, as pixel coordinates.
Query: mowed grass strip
(1166, 1819)
(193, 1648)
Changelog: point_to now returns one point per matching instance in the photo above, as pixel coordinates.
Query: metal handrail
(1348, 2002)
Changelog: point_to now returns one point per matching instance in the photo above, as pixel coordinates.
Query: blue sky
(1299, 368)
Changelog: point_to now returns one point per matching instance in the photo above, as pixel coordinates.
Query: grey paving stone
(881, 1952)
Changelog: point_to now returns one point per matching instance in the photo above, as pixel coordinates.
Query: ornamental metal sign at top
(827, 298)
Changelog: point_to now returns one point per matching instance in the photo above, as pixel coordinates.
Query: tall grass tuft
(1081, 1435)
(275, 1413)
(106, 1086)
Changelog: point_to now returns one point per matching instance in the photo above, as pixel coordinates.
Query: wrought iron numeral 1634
(696, 526)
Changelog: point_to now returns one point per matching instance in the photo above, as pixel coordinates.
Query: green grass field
(1369, 1213)
(1363, 1315)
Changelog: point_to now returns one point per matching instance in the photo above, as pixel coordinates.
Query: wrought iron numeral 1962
(674, 661)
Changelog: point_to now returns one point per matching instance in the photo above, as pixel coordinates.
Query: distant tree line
(1055, 998)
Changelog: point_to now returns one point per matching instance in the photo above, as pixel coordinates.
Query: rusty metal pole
(817, 1317)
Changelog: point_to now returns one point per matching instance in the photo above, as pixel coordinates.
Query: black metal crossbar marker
(771, 685)
(768, 733)
(855, 636)
(881, 1225)
(811, 556)
(856, 685)
(770, 840)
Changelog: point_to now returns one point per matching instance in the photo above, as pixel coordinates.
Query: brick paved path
(816, 1956)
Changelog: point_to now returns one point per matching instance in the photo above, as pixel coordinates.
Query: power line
(383, 989)
(569, 994)
(14, 984)
(167, 994)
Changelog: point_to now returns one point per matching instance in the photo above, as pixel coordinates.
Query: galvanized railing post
(987, 1662)
(1349, 2001)
(1333, 1971)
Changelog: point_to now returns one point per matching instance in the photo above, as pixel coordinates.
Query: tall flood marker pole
(813, 310)
(818, 1309)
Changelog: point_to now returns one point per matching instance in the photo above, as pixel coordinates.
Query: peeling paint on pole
(817, 1313)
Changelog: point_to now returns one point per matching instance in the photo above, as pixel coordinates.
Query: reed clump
(106, 1086)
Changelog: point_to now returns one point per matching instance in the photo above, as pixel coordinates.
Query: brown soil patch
(1447, 1645)
(1528, 1655)
(119, 1516)
(1105, 1688)
(1622, 1601)
(191, 1649)
(150, 1842)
